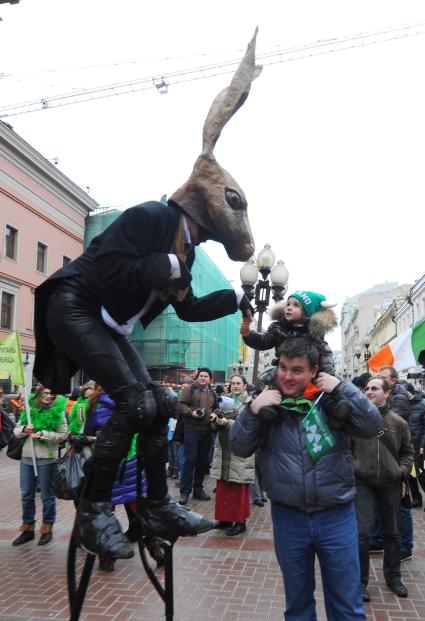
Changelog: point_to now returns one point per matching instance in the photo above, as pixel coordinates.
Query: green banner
(318, 438)
(11, 359)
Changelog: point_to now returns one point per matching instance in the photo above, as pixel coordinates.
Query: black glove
(245, 306)
(185, 277)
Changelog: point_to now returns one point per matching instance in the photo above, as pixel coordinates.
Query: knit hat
(310, 301)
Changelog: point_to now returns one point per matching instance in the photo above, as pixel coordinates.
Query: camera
(201, 412)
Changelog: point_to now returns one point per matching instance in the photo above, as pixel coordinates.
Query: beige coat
(47, 446)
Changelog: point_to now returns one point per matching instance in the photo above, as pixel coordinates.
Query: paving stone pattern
(216, 577)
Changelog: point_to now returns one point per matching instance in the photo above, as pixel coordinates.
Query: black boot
(98, 531)
(168, 520)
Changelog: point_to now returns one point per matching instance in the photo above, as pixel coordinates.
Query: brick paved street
(216, 577)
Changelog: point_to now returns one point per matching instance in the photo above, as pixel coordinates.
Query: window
(66, 260)
(11, 242)
(7, 309)
(41, 258)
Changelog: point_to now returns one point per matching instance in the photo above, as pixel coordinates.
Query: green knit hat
(310, 301)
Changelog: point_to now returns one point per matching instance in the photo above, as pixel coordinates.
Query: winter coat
(289, 475)
(400, 401)
(374, 463)
(120, 270)
(417, 421)
(316, 327)
(193, 397)
(125, 484)
(226, 466)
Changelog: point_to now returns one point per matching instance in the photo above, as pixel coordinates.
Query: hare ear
(230, 99)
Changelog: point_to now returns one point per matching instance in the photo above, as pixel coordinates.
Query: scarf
(46, 418)
(318, 439)
(303, 403)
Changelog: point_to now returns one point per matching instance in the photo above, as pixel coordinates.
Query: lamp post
(366, 353)
(259, 289)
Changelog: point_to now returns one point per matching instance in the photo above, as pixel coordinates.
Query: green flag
(318, 438)
(11, 359)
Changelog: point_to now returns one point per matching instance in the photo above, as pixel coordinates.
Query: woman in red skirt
(234, 474)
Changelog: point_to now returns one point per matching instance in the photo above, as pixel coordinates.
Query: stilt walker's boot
(168, 520)
(97, 528)
(99, 532)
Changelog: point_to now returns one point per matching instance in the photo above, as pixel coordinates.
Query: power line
(277, 56)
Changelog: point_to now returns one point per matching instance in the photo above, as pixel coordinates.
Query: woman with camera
(234, 474)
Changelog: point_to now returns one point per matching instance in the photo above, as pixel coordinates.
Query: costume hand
(246, 308)
(245, 324)
(265, 398)
(327, 383)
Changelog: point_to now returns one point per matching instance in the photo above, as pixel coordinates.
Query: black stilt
(165, 592)
(76, 595)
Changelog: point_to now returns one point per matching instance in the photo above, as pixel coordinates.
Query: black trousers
(76, 328)
(387, 501)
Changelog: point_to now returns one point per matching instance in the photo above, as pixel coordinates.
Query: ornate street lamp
(259, 289)
(366, 353)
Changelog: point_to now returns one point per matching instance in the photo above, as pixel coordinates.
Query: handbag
(69, 476)
(14, 448)
(420, 470)
(6, 428)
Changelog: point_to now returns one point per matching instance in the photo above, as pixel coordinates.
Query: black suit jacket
(121, 268)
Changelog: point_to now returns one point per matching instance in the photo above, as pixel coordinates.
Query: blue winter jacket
(289, 475)
(125, 484)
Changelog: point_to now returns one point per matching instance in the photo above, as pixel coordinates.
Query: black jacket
(375, 463)
(400, 401)
(121, 268)
(279, 331)
(417, 421)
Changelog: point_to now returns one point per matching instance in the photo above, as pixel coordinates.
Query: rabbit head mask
(211, 197)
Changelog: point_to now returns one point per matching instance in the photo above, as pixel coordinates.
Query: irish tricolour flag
(403, 351)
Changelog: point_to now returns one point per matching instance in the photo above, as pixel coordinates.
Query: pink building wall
(43, 205)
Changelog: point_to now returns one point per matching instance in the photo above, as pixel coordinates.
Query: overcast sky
(329, 149)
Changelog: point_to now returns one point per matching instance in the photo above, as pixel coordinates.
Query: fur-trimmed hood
(319, 324)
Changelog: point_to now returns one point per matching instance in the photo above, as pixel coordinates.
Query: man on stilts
(84, 313)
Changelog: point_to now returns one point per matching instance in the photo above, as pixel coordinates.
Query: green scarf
(318, 438)
(46, 419)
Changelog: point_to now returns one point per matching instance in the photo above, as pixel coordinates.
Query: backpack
(6, 428)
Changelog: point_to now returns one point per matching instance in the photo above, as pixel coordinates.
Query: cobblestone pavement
(215, 577)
